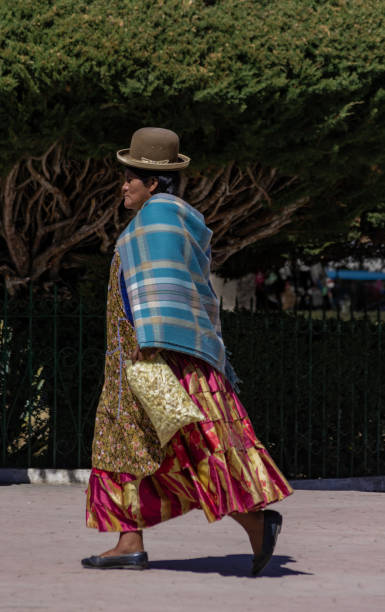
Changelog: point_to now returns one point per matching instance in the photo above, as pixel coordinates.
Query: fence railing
(314, 386)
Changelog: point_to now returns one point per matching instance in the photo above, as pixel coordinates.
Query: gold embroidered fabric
(124, 439)
(166, 402)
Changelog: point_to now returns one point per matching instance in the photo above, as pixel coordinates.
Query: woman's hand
(144, 354)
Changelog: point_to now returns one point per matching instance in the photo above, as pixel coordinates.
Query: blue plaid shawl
(165, 255)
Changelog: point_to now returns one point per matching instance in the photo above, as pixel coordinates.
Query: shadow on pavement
(230, 565)
(14, 476)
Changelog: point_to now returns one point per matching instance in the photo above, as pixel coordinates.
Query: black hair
(168, 181)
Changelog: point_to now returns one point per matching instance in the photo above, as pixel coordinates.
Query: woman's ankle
(253, 524)
(130, 542)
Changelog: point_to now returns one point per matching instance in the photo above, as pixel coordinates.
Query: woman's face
(135, 192)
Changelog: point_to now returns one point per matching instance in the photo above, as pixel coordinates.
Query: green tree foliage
(296, 85)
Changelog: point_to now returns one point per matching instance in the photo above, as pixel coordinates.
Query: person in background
(260, 290)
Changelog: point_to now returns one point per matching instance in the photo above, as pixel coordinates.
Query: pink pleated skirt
(217, 465)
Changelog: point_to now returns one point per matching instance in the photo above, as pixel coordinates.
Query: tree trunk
(53, 206)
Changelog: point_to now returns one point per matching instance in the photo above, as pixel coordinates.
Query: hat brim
(125, 158)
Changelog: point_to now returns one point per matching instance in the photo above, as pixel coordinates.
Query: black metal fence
(314, 385)
(51, 373)
(314, 388)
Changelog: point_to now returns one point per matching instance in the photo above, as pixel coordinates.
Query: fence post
(4, 334)
(296, 393)
(267, 412)
(80, 385)
(379, 381)
(281, 394)
(324, 362)
(366, 372)
(55, 372)
(30, 373)
(310, 394)
(352, 395)
(339, 356)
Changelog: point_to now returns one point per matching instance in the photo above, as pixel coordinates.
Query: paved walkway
(330, 556)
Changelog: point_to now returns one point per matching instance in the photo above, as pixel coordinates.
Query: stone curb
(369, 484)
(60, 477)
(43, 476)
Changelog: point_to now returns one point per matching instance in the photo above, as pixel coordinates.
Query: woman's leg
(252, 522)
(129, 542)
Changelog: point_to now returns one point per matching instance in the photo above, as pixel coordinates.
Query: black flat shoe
(135, 561)
(272, 525)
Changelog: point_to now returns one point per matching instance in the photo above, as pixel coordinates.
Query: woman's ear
(154, 184)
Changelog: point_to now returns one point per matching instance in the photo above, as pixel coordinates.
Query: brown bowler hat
(154, 149)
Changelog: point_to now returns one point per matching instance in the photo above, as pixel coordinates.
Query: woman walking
(160, 300)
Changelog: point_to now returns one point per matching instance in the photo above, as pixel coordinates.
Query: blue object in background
(355, 275)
